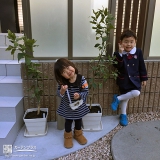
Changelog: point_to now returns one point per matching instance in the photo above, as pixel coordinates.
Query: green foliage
(100, 65)
(25, 46)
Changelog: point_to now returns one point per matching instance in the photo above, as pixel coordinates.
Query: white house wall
(155, 44)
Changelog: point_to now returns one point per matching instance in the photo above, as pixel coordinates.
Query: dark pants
(68, 124)
(124, 91)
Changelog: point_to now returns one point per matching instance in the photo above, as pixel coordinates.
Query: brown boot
(68, 140)
(78, 135)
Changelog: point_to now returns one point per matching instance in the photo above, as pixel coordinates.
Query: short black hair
(128, 33)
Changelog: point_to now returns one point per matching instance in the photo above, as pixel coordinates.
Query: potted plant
(99, 66)
(35, 118)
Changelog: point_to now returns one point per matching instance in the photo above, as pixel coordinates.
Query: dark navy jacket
(131, 71)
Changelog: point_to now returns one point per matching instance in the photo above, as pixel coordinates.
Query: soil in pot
(95, 109)
(33, 114)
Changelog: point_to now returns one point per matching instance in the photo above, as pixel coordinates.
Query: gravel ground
(100, 150)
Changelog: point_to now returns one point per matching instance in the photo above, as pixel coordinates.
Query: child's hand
(143, 83)
(63, 89)
(76, 96)
(121, 48)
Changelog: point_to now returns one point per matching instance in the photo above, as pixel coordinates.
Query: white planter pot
(92, 121)
(36, 126)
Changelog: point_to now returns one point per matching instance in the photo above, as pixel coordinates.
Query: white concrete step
(11, 119)
(10, 108)
(6, 55)
(11, 101)
(10, 68)
(5, 127)
(13, 68)
(3, 38)
(8, 133)
(11, 86)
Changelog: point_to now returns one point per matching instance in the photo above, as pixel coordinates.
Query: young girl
(132, 73)
(73, 84)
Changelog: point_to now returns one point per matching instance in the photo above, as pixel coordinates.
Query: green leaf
(9, 48)
(13, 51)
(106, 12)
(105, 38)
(20, 56)
(96, 45)
(94, 27)
(93, 22)
(97, 38)
(11, 35)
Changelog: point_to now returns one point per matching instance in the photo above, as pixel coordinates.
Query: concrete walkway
(137, 141)
(51, 146)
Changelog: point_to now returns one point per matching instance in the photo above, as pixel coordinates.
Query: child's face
(128, 43)
(68, 72)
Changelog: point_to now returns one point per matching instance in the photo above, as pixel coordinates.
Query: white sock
(124, 98)
(129, 95)
(123, 106)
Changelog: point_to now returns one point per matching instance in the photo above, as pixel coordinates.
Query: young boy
(132, 73)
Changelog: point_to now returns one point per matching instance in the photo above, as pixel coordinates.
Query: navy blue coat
(131, 71)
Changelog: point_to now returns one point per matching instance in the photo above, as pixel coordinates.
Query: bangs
(62, 65)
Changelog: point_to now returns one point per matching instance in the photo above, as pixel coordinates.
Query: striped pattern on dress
(64, 109)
